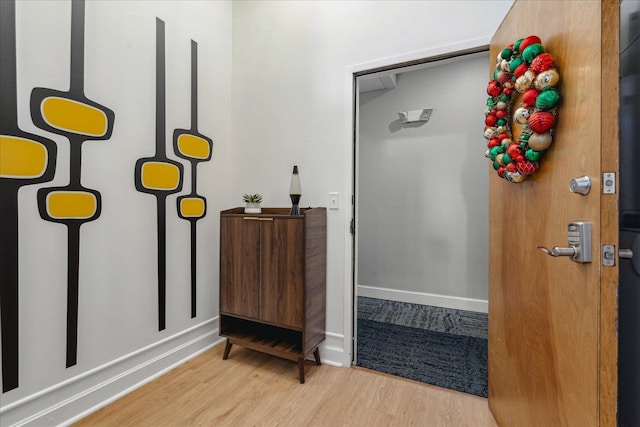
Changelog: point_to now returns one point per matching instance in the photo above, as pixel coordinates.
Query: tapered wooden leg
(316, 355)
(301, 369)
(227, 349)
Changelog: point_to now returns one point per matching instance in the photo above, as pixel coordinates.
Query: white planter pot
(252, 208)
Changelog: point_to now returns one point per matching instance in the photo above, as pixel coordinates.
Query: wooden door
(552, 322)
(282, 255)
(240, 266)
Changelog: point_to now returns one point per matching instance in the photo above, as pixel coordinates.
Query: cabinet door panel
(240, 266)
(282, 262)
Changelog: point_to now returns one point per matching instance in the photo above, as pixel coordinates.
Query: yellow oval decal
(192, 207)
(72, 116)
(193, 146)
(71, 204)
(22, 158)
(160, 176)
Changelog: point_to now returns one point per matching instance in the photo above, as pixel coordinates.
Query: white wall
(423, 188)
(119, 343)
(293, 98)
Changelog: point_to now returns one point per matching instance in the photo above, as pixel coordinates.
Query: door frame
(403, 61)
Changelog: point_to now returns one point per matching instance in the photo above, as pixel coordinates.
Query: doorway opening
(420, 263)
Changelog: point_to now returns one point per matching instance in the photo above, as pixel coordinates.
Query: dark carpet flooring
(449, 360)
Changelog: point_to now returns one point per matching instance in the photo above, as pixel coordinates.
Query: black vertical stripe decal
(9, 187)
(201, 152)
(72, 205)
(146, 180)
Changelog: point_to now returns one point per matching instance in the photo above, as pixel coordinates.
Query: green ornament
(547, 99)
(501, 122)
(495, 74)
(514, 64)
(496, 165)
(506, 53)
(516, 46)
(504, 97)
(524, 137)
(506, 159)
(532, 155)
(493, 153)
(532, 51)
(490, 103)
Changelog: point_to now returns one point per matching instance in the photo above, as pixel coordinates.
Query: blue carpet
(456, 362)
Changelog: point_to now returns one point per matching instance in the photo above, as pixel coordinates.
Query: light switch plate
(334, 201)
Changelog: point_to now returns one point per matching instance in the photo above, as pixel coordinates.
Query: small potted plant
(252, 203)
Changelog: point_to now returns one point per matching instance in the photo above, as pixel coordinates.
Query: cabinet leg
(316, 355)
(301, 369)
(227, 349)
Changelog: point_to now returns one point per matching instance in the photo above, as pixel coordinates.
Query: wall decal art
(191, 145)
(25, 159)
(516, 149)
(74, 116)
(159, 175)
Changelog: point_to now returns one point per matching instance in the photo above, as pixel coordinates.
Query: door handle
(557, 251)
(632, 254)
(579, 241)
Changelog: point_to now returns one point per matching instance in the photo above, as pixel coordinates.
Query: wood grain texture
(258, 390)
(239, 282)
(544, 312)
(609, 231)
(315, 277)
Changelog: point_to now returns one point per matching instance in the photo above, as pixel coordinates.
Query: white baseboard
(69, 401)
(332, 351)
(459, 303)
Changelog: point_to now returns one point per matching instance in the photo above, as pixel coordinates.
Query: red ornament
(520, 70)
(493, 142)
(490, 120)
(507, 91)
(542, 62)
(511, 167)
(514, 151)
(502, 76)
(541, 121)
(494, 88)
(527, 167)
(500, 114)
(529, 41)
(501, 172)
(529, 97)
(503, 136)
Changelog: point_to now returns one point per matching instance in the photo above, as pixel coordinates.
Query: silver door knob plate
(580, 185)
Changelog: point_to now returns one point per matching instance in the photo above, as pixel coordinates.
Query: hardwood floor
(254, 389)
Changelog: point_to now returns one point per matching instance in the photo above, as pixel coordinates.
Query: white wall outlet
(334, 201)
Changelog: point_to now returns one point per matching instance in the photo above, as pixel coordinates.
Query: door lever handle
(625, 253)
(557, 251)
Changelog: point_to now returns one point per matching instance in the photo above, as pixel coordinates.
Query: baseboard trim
(87, 392)
(446, 301)
(332, 350)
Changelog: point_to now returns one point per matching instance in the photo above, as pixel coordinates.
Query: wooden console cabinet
(273, 281)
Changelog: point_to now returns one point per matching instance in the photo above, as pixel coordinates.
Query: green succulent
(252, 198)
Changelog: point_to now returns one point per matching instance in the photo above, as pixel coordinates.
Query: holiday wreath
(523, 67)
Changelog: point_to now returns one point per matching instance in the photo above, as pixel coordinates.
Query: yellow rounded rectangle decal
(193, 146)
(192, 207)
(22, 158)
(160, 176)
(71, 204)
(72, 116)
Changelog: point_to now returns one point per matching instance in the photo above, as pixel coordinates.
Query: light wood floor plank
(253, 389)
